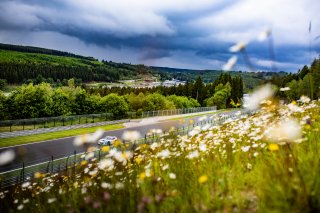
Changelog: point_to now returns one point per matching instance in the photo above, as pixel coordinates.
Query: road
(43, 151)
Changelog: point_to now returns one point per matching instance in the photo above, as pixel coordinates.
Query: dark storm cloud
(201, 30)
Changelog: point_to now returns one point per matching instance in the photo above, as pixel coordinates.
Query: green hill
(19, 63)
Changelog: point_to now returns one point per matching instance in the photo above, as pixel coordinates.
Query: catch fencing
(68, 164)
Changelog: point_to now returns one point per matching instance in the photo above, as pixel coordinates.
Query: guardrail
(176, 111)
(68, 164)
(56, 129)
(61, 121)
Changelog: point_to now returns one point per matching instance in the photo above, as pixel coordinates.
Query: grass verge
(54, 135)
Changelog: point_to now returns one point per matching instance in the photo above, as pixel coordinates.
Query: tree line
(304, 82)
(43, 100)
(198, 90)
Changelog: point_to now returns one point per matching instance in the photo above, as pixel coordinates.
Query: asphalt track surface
(44, 151)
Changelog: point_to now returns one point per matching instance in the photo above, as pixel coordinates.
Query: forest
(304, 82)
(24, 64)
(43, 100)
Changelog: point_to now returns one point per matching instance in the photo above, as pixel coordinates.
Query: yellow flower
(203, 178)
(105, 149)
(308, 126)
(190, 121)
(38, 175)
(294, 102)
(142, 176)
(83, 163)
(138, 160)
(273, 147)
(117, 143)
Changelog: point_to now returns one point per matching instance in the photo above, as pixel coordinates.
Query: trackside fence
(176, 111)
(62, 121)
(68, 164)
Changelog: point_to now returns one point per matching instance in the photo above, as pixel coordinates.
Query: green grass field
(54, 135)
(268, 162)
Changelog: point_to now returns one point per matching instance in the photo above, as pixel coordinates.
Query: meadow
(267, 162)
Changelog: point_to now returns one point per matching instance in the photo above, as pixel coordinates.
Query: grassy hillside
(18, 63)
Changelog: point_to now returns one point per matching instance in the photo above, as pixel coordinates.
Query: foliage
(220, 97)
(304, 82)
(114, 104)
(228, 168)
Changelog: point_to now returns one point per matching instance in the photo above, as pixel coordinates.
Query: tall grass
(228, 168)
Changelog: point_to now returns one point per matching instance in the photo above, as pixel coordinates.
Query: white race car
(109, 140)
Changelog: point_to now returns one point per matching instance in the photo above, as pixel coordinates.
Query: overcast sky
(194, 34)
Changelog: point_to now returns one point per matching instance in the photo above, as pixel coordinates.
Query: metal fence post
(75, 158)
(51, 164)
(23, 171)
(67, 163)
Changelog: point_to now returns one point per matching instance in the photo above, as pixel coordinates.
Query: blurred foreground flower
(131, 135)
(230, 64)
(273, 147)
(257, 97)
(6, 157)
(284, 89)
(88, 138)
(264, 35)
(304, 99)
(238, 47)
(285, 131)
(203, 179)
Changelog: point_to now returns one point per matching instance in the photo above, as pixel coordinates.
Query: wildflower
(164, 153)
(95, 136)
(193, 154)
(202, 179)
(93, 172)
(119, 185)
(172, 176)
(80, 140)
(38, 175)
(304, 99)
(273, 147)
(51, 200)
(25, 185)
(264, 35)
(131, 135)
(83, 163)
(285, 89)
(106, 185)
(105, 149)
(245, 148)
(89, 155)
(249, 166)
(26, 201)
(230, 64)
(254, 100)
(238, 47)
(284, 131)
(20, 207)
(106, 196)
(142, 176)
(6, 157)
